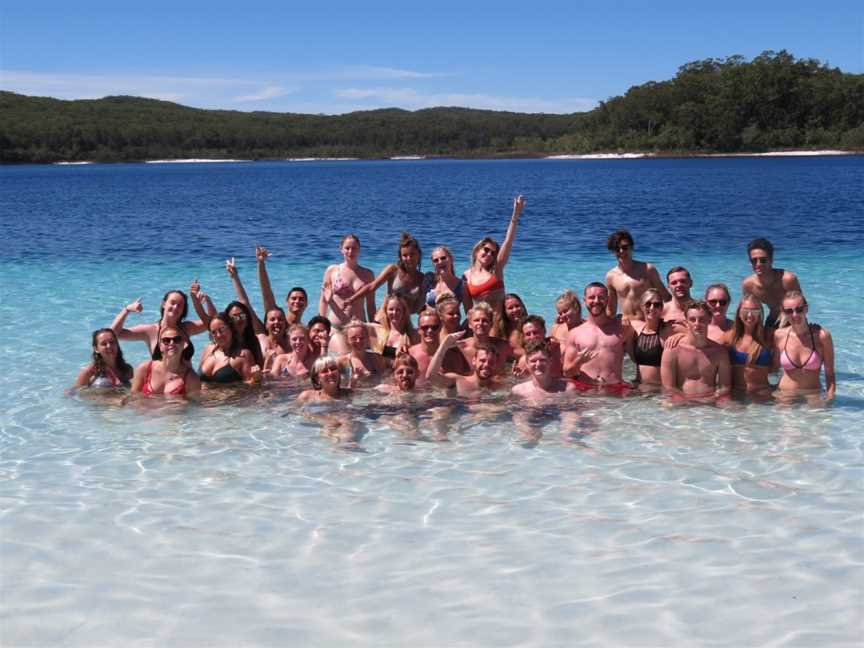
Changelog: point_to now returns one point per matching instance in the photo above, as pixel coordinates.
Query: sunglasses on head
(171, 339)
(797, 310)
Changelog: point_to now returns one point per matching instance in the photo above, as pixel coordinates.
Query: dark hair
(98, 363)
(299, 289)
(718, 286)
(248, 340)
(595, 284)
(349, 236)
(406, 240)
(185, 305)
(615, 239)
(236, 346)
(537, 345)
(536, 320)
(761, 244)
(319, 319)
(700, 305)
(507, 324)
(405, 359)
(678, 269)
(488, 347)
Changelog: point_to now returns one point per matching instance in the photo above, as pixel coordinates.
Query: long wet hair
(759, 334)
(236, 347)
(124, 368)
(247, 339)
(406, 240)
(157, 352)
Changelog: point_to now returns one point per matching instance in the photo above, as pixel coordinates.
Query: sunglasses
(168, 340)
(797, 310)
(718, 302)
(237, 317)
(624, 248)
(430, 327)
(752, 311)
(488, 250)
(653, 304)
(439, 259)
(759, 260)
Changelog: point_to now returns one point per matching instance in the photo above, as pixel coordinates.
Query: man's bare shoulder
(789, 280)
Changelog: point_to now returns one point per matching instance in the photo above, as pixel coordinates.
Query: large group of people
(466, 333)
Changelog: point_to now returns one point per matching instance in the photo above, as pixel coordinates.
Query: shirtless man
(480, 319)
(543, 383)
(594, 353)
(697, 368)
(483, 363)
(630, 278)
(680, 282)
(429, 326)
(768, 283)
(534, 330)
(404, 378)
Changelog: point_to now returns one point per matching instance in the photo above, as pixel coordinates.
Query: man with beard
(534, 330)
(680, 282)
(483, 364)
(404, 377)
(768, 283)
(594, 352)
(697, 369)
(630, 278)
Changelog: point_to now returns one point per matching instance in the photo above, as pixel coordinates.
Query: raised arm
(369, 289)
(261, 254)
(507, 245)
(138, 332)
(231, 266)
(433, 372)
(198, 301)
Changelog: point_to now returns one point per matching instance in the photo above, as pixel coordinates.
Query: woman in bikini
(224, 360)
(645, 348)
(445, 280)
(403, 277)
(750, 349)
(569, 315)
(298, 362)
(172, 313)
(367, 368)
(718, 298)
(396, 331)
(341, 282)
(484, 280)
(108, 369)
(171, 375)
(802, 350)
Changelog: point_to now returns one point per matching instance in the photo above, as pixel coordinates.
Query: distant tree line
(717, 105)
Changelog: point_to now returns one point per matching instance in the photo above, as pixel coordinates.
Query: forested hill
(773, 102)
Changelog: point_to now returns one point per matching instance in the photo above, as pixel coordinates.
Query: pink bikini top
(813, 362)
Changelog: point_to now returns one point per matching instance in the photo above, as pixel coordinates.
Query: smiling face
(718, 300)
(484, 363)
(276, 323)
(624, 250)
(220, 333)
(329, 376)
(396, 314)
(299, 341)
(409, 255)
(106, 346)
(485, 253)
(596, 298)
(480, 323)
(171, 342)
(533, 332)
(319, 335)
(173, 307)
(569, 315)
(239, 318)
(680, 284)
(358, 338)
(538, 363)
(430, 327)
(750, 313)
(296, 303)
(761, 261)
(795, 309)
(442, 261)
(515, 310)
(451, 316)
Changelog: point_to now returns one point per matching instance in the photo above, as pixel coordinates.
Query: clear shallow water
(243, 524)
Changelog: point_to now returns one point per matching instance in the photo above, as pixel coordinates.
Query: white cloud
(412, 99)
(267, 92)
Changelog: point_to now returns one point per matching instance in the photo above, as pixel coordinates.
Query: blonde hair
(759, 336)
(784, 321)
(324, 362)
(480, 244)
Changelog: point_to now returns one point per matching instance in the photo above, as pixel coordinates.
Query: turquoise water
(243, 524)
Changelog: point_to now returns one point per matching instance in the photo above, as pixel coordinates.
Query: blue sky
(336, 57)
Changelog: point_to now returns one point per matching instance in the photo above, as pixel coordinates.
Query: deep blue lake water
(241, 524)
